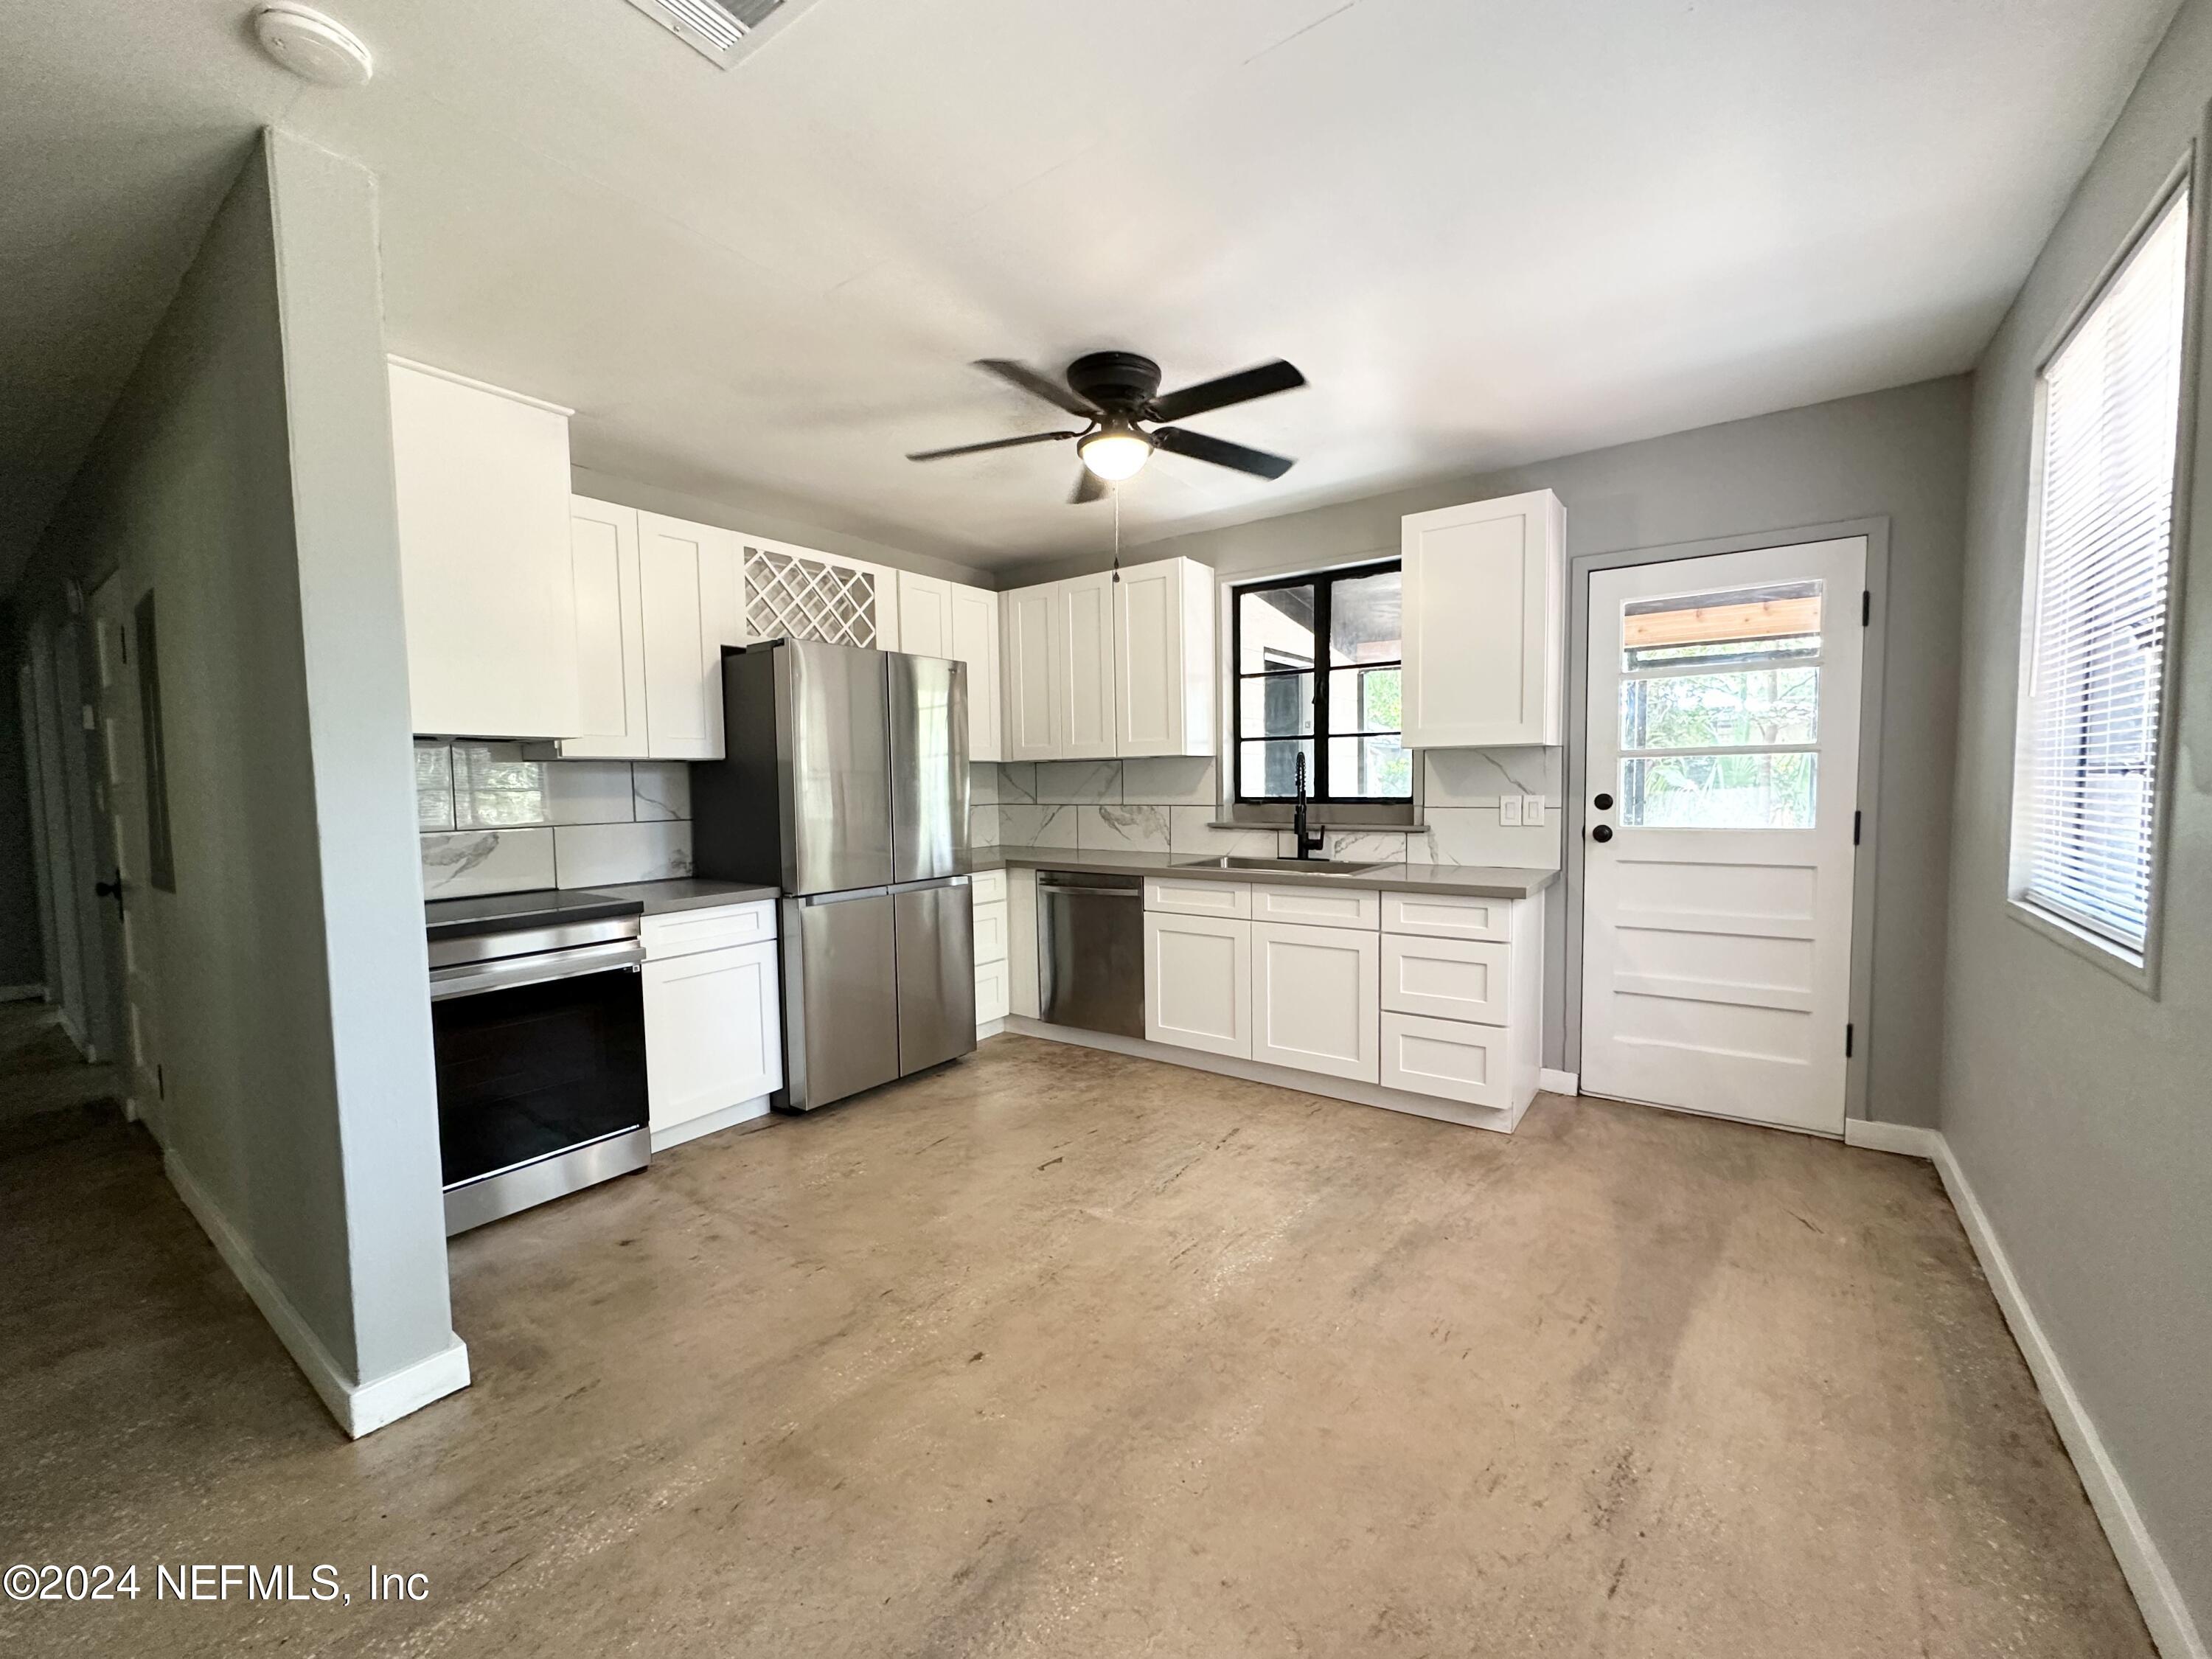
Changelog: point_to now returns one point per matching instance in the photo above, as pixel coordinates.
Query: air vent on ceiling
(714, 28)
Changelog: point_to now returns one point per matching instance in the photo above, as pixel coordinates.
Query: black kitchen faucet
(1308, 843)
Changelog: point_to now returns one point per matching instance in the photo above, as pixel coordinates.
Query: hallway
(40, 1070)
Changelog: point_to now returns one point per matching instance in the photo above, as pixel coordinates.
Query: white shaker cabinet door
(1086, 667)
(924, 615)
(487, 575)
(684, 670)
(1030, 663)
(1485, 623)
(1315, 1001)
(609, 633)
(1198, 983)
(712, 1032)
(1164, 658)
(975, 642)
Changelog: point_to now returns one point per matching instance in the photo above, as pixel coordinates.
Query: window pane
(1369, 767)
(1736, 625)
(1363, 699)
(2085, 805)
(1265, 770)
(1707, 711)
(1718, 792)
(1364, 622)
(1275, 628)
(1276, 705)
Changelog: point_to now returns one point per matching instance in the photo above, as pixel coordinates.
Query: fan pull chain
(1115, 490)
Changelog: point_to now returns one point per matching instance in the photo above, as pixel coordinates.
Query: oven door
(541, 1078)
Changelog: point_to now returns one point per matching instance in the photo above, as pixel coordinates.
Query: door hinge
(1866, 607)
(1847, 1040)
(1856, 818)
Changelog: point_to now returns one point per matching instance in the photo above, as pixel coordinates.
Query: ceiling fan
(1115, 391)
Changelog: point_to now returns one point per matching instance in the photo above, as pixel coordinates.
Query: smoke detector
(313, 46)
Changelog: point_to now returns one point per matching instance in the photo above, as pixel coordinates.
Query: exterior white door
(1723, 785)
(121, 639)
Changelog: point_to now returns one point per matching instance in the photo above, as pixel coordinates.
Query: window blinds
(2084, 814)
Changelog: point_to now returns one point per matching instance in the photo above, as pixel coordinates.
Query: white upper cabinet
(1093, 668)
(1030, 661)
(610, 632)
(1164, 660)
(486, 558)
(1486, 622)
(937, 618)
(689, 572)
(1085, 682)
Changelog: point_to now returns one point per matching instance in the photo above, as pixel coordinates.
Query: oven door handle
(473, 979)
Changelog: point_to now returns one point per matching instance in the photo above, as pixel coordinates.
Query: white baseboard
(2163, 1610)
(988, 1028)
(21, 993)
(1559, 1082)
(359, 1408)
(708, 1123)
(1907, 1139)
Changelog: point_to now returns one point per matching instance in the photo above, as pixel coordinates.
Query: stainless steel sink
(1310, 866)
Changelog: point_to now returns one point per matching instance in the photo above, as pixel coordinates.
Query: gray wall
(1899, 454)
(245, 475)
(22, 960)
(2080, 1108)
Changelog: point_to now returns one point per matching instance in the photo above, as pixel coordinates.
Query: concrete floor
(1056, 1352)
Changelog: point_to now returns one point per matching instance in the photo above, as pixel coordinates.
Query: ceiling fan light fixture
(1116, 450)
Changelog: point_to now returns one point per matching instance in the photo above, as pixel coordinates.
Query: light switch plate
(1509, 810)
(1532, 809)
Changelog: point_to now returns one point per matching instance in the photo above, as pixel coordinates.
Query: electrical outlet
(1509, 811)
(1532, 809)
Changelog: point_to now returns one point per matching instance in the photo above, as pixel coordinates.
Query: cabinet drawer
(1230, 900)
(1447, 1058)
(990, 992)
(990, 933)
(1447, 915)
(685, 932)
(1318, 906)
(987, 886)
(1447, 978)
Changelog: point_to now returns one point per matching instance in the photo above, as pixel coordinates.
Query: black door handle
(1603, 802)
(109, 888)
(1603, 832)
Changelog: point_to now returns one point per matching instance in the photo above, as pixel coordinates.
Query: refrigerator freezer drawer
(936, 973)
(841, 997)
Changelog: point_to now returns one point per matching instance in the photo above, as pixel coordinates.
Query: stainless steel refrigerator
(845, 783)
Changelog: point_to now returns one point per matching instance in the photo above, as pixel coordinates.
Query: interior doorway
(1721, 783)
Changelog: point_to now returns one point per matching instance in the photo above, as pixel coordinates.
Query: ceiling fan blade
(1089, 487)
(996, 443)
(1199, 447)
(1037, 385)
(1239, 388)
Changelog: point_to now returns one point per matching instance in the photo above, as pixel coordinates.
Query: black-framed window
(1318, 677)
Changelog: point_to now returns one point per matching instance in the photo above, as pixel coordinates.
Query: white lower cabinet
(1446, 1058)
(986, 895)
(991, 993)
(1314, 1002)
(1197, 982)
(714, 1037)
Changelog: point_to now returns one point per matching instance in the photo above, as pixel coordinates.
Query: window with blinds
(2085, 807)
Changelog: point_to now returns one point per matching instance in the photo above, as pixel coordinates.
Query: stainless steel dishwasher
(1090, 952)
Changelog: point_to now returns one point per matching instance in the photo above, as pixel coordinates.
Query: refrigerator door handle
(924, 886)
(811, 900)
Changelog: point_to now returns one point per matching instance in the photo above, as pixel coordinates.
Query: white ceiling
(1487, 231)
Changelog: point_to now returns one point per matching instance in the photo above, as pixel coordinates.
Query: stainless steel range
(537, 1016)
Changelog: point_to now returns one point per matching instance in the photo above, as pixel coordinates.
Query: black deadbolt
(1603, 832)
(1604, 803)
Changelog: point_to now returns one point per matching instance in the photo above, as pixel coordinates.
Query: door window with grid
(1318, 680)
(2086, 792)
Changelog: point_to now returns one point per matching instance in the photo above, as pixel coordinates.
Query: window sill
(2131, 970)
(1321, 817)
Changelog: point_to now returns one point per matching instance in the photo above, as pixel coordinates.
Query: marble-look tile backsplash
(494, 821)
(1169, 804)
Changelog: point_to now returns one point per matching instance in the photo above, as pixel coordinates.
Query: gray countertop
(1462, 880)
(687, 893)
